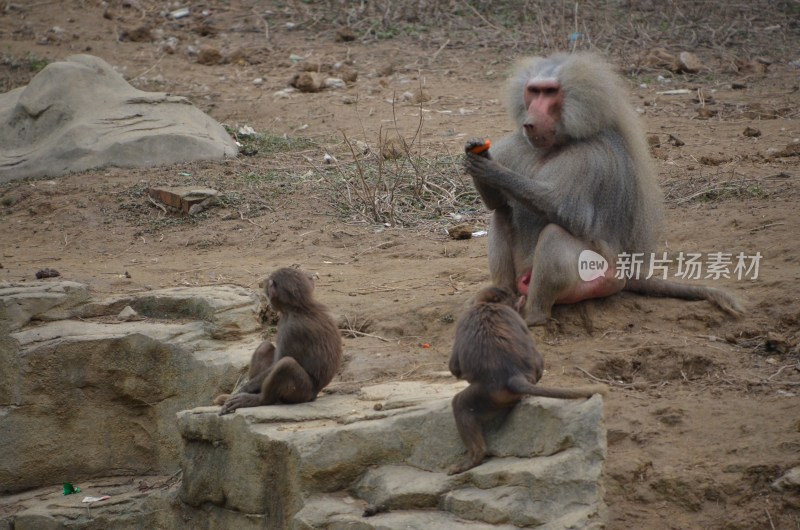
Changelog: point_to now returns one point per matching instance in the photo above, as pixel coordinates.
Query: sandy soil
(703, 413)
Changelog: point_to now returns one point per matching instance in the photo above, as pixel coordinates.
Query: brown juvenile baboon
(495, 353)
(575, 176)
(307, 353)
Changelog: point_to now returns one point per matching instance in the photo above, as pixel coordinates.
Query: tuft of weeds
(715, 188)
(737, 191)
(355, 325)
(264, 144)
(161, 224)
(16, 71)
(254, 177)
(30, 63)
(36, 64)
(399, 187)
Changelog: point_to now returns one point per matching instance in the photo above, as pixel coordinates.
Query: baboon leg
(286, 382)
(466, 406)
(473, 407)
(501, 256)
(554, 277)
(262, 359)
(260, 365)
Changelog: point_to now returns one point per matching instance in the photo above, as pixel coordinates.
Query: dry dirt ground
(703, 413)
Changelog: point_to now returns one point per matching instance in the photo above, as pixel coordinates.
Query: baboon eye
(549, 91)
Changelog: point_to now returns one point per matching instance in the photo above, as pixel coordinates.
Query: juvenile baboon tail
(520, 385)
(658, 287)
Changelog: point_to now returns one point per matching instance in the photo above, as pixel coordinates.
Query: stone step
(521, 491)
(384, 448)
(403, 487)
(334, 513)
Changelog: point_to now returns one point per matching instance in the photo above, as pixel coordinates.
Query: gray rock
(503, 504)
(22, 302)
(331, 513)
(80, 114)
(100, 397)
(318, 465)
(789, 481)
(230, 312)
(128, 314)
(690, 63)
(402, 487)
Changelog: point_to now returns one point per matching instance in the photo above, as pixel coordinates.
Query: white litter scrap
(180, 13)
(678, 92)
(334, 82)
(96, 499)
(285, 93)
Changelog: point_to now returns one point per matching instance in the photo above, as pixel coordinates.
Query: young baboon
(307, 352)
(495, 353)
(575, 176)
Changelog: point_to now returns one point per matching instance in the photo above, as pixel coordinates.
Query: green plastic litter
(69, 489)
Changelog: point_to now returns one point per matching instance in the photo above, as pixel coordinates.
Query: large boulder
(83, 394)
(80, 114)
(321, 464)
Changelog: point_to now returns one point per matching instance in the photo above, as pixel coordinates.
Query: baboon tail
(658, 287)
(520, 385)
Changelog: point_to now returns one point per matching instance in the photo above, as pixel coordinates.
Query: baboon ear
(496, 295)
(313, 279)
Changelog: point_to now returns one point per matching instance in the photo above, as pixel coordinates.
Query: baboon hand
(478, 166)
(478, 146)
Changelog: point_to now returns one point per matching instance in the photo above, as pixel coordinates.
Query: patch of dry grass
(758, 27)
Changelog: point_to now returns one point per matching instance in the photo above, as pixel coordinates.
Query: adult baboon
(575, 176)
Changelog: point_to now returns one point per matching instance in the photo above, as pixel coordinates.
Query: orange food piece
(478, 149)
